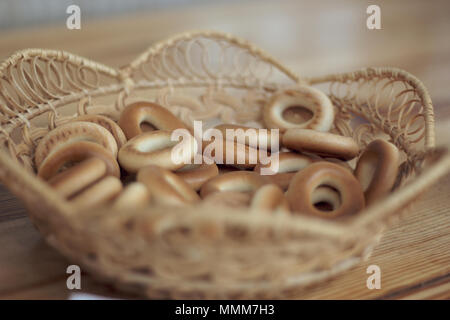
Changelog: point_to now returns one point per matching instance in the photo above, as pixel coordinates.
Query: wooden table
(330, 36)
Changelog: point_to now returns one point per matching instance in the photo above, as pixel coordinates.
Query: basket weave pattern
(199, 252)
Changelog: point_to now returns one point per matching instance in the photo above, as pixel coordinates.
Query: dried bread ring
(155, 148)
(197, 174)
(232, 199)
(263, 137)
(325, 198)
(288, 164)
(242, 181)
(377, 169)
(321, 143)
(78, 177)
(74, 152)
(71, 132)
(320, 174)
(135, 195)
(302, 96)
(244, 157)
(270, 197)
(151, 113)
(166, 187)
(106, 123)
(100, 193)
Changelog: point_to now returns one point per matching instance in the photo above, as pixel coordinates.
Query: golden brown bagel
(232, 199)
(325, 198)
(71, 132)
(248, 158)
(304, 96)
(197, 174)
(151, 113)
(106, 123)
(377, 169)
(154, 148)
(242, 181)
(135, 195)
(321, 143)
(74, 152)
(288, 164)
(262, 137)
(166, 187)
(78, 177)
(271, 198)
(99, 193)
(321, 174)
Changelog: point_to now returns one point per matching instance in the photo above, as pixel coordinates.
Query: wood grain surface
(313, 38)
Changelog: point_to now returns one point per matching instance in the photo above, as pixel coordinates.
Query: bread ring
(377, 169)
(196, 175)
(99, 193)
(322, 143)
(232, 199)
(78, 177)
(166, 187)
(135, 195)
(288, 164)
(325, 198)
(154, 148)
(141, 112)
(270, 197)
(248, 160)
(321, 174)
(70, 132)
(73, 152)
(108, 124)
(344, 164)
(262, 138)
(242, 181)
(304, 96)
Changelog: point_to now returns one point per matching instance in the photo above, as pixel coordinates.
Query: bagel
(106, 123)
(99, 193)
(325, 198)
(377, 169)
(256, 138)
(196, 175)
(71, 132)
(74, 152)
(321, 143)
(325, 174)
(78, 177)
(137, 113)
(270, 198)
(288, 163)
(302, 96)
(166, 187)
(242, 181)
(344, 164)
(232, 199)
(135, 195)
(244, 157)
(155, 148)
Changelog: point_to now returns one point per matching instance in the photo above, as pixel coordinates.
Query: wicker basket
(202, 252)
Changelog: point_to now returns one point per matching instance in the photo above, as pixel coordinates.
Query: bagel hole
(147, 126)
(297, 114)
(326, 198)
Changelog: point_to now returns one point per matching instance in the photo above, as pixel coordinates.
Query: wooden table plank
(311, 37)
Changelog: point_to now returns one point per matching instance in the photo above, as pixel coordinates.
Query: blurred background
(311, 37)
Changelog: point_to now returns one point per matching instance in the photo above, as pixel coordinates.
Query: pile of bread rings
(85, 159)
